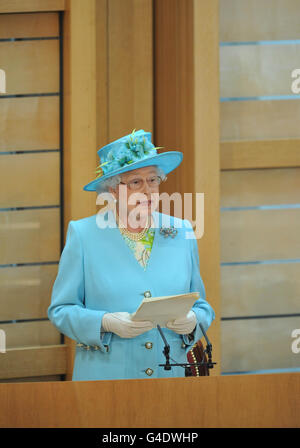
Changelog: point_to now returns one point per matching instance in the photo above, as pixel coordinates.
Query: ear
(113, 192)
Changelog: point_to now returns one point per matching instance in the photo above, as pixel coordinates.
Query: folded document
(161, 310)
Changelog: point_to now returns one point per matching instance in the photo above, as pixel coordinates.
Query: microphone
(166, 350)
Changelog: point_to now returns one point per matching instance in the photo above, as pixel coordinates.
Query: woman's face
(134, 192)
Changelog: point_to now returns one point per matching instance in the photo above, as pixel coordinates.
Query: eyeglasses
(138, 183)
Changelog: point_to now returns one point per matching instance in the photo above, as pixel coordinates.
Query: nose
(146, 189)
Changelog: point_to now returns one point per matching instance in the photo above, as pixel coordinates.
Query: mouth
(145, 203)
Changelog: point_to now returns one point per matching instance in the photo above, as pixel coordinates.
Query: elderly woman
(113, 259)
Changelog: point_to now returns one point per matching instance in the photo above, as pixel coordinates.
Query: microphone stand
(166, 350)
(208, 349)
(187, 366)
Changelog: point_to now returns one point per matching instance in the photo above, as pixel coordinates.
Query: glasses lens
(154, 181)
(135, 184)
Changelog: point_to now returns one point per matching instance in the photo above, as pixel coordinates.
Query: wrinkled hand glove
(183, 325)
(122, 325)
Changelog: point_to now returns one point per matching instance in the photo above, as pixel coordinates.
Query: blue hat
(129, 153)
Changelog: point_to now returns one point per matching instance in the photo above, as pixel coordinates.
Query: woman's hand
(183, 325)
(122, 325)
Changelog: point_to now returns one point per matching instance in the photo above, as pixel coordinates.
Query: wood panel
(259, 120)
(174, 88)
(32, 362)
(30, 179)
(260, 187)
(7, 6)
(186, 114)
(238, 155)
(250, 235)
(257, 344)
(257, 70)
(30, 66)
(231, 401)
(25, 291)
(28, 25)
(30, 236)
(80, 115)
(260, 289)
(206, 168)
(130, 87)
(256, 20)
(29, 123)
(29, 334)
(102, 64)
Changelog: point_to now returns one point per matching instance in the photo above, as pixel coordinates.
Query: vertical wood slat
(130, 86)
(207, 162)
(186, 119)
(80, 119)
(174, 81)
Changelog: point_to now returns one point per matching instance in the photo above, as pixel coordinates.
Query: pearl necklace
(134, 236)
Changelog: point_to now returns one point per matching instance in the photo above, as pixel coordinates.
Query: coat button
(147, 294)
(87, 347)
(149, 372)
(183, 345)
(148, 345)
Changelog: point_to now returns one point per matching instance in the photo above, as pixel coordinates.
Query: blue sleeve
(67, 310)
(204, 312)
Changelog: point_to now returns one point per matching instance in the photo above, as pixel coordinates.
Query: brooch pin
(168, 231)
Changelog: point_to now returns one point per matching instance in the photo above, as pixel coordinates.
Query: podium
(192, 402)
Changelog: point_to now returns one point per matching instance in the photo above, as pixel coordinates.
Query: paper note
(161, 310)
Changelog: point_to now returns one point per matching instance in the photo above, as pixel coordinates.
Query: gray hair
(114, 181)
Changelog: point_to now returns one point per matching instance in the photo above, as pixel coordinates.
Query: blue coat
(99, 273)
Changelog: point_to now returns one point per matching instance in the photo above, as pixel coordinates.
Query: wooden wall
(30, 195)
(260, 180)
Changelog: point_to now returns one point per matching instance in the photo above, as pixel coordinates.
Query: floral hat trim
(134, 149)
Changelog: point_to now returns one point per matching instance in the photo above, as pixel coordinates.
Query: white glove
(183, 325)
(122, 325)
